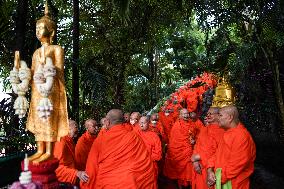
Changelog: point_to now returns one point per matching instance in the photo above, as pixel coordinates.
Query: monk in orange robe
(84, 144)
(64, 151)
(152, 141)
(119, 158)
(134, 118)
(205, 148)
(235, 154)
(156, 126)
(178, 164)
(167, 121)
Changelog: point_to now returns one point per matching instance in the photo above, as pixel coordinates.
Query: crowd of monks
(135, 151)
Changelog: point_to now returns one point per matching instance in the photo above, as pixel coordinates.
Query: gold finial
(46, 11)
(224, 94)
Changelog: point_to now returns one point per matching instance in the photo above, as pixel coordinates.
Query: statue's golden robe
(56, 125)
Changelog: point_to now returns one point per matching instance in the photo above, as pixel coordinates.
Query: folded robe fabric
(119, 159)
(235, 155)
(177, 161)
(82, 150)
(154, 147)
(64, 151)
(206, 146)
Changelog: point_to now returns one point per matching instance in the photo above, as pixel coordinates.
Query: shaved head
(233, 111)
(214, 110)
(228, 117)
(212, 115)
(154, 116)
(91, 126)
(115, 116)
(144, 123)
(134, 117)
(73, 128)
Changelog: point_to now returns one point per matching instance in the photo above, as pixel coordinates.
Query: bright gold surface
(56, 126)
(224, 94)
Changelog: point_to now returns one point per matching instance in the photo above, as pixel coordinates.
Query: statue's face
(42, 31)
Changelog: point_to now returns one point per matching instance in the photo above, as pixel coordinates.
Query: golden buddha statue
(47, 118)
(224, 94)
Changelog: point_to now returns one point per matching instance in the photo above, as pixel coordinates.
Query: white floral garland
(43, 78)
(20, 84)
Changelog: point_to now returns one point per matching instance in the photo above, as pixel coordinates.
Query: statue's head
(45, 26)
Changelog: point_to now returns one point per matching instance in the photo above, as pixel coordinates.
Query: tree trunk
(279, 97)
(277, 86)
(75, 70)
(151, 77)
(119, 87)
(20, 30)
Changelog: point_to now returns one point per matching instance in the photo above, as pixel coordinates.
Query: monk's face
(73, 130)
(224, 119)
(134, 118)
(92, 127)
(167, 112)
(144, 123)
(184, 114)
(154, 119)
(126, 117)
(212, 116)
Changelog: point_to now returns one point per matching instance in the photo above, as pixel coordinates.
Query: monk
(205, 147)
(119, 158)
(64, 151)
(152, 141)
(197, 123)
(235, 155)
(134, 118)
(167, 121)
(156, 126)
(126, 117)
(178, 157)
(84, 144)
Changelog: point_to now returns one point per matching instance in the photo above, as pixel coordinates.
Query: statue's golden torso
(56, 125)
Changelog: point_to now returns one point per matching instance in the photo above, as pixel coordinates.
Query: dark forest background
(132, 54)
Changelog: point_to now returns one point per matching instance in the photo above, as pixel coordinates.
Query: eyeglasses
(209, 113)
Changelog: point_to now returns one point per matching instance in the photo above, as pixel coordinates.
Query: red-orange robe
(178, 157)
(206, 146)
(158, 128)
(235, 155)
(167, 122)
(82, 150)
(119, 159)
(64, 151)
(192, 100)
(154, 147)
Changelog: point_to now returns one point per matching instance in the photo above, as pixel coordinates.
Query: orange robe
(192, 100)
(178, 158)
(82, 150)
(167, 122)
(119, 159)
(206, 146)
(158, 128)
(64, 151)
(235, 155)
(154, 146)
